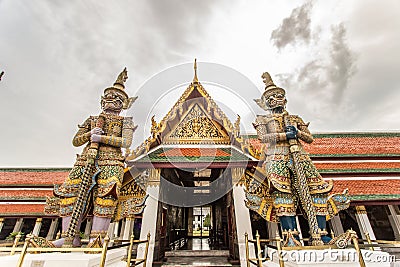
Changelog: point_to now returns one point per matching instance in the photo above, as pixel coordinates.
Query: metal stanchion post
(104, 251)
(246, 241)
(129, 258)
(24, 249)
(16, 240)
(357, 247)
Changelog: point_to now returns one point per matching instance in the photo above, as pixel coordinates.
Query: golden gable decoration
(196, 125)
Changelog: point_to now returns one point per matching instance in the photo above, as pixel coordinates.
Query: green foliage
(12, 236)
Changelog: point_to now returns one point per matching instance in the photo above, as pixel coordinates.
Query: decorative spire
(121, 79)
(195, 71)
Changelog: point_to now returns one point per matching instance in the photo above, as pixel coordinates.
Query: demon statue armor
(287, 180)
(94, 183)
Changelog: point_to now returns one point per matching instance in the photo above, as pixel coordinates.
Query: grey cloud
(67, 53)
(342, 65)
(295, 28)
(324, 80)
(329, 73)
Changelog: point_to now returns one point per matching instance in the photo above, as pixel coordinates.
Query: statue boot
(64, 240)
(99, 231)
(322, 229)
(290, 233)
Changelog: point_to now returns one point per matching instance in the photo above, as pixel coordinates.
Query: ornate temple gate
(194, 157)
(175, 230)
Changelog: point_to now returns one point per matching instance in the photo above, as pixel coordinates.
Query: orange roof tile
(32, 177)
(356, 165)
(347, 144)
(367, 187)
(354, 145)
(21, 209)
(194, 152)
(25, 193)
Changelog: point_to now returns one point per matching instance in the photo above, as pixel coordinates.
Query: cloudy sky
(338, 60)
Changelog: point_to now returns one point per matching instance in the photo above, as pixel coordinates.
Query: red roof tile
(26, 193)
(354, 145)
(367, 187)
(356, 165)
(366, 144)
(32, 177)
(21, 209)
(194, 152)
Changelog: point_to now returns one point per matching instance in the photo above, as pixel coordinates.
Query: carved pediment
(196, 126)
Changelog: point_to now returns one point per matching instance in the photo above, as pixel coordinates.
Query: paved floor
(198, 244)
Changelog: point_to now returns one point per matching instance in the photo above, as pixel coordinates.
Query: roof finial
(195, 71)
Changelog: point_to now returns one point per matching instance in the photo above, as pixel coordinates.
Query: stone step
(214, 261)
(197, 253)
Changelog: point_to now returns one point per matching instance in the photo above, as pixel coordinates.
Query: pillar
(394, 220)
(116, 229)
(38, 225)
(243, 224)
(18, 225)
(1, 224)
(121, 232)
(52, 230)
(128, 230)
(111, 230)
(190, 222)
(273, 230)
(88, 227)
(363, 222)
(149, 218)
(299, 229)
(336, 225)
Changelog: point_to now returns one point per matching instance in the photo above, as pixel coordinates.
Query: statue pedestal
(330, 257)
(114, 259)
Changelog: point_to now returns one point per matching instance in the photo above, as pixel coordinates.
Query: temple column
(243, 224)
(1, 224)
(111, 230)
(149, 219)
(190, 222)
(38, 225)
(88, 228)
(299, 229)
(273, 230)
(121, 232)
(394, 220)
(116, 228)
(52, 230)
(363, 222)
(336, 225)
(242, 215)
(18, 225)
(129, 223)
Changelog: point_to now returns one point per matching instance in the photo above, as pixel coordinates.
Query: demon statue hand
(288, 179)
(94, 183)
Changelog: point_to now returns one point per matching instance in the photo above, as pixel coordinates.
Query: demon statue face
(273, 99)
